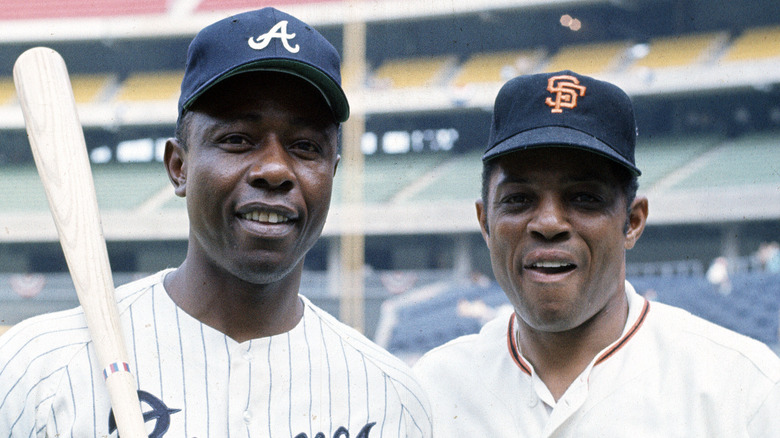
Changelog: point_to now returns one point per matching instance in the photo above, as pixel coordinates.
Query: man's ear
(637, 219)
(482, 218)
(176, 166)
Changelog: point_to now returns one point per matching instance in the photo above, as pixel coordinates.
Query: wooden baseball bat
(58, 146)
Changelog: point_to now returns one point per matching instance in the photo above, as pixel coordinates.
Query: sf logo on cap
(278, 31)
(566, 88)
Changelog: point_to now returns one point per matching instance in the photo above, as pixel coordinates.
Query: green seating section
(118, 187)
(745, 161)
(385, 176)
(461, 180)
(748, 160)
(127, 186)
(658, 157)
(21, 189)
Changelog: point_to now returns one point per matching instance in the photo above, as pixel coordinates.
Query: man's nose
(272, 166)
(549, 221)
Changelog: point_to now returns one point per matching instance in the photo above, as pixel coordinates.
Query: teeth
(550, 265)
(262, 216)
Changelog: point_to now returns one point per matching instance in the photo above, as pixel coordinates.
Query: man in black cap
(224, 345)
(582, 354)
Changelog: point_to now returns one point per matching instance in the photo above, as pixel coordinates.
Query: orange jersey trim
(514, 352)
(512, 345)
(635, 328)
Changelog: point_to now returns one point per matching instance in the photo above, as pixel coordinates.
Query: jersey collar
(638, 308)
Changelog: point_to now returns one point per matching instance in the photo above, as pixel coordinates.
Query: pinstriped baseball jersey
(320, 380)
(670, 374)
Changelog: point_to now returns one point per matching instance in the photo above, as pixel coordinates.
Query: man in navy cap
(582, 354)
(224, 345)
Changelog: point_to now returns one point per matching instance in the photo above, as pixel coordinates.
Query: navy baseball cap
(263, 40)
(563, 109)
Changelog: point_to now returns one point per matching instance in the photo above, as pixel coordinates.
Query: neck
(560, 357)
(240, 309)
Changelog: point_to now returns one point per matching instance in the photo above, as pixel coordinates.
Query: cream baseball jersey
(320, 380)
(670, 374)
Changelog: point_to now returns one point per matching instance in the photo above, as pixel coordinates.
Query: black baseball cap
(263, 40)
(563, 109)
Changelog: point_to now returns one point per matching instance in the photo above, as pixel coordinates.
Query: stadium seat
(149, 86)
(754, 44)
(89, 88)
(747, 160)
(412, 72)
(386, 175)
(460, 179)
(7, 91)
(589, 59)
(127, 186)
(118, 186)
(660, 156)
(21, 190)
(681, 50)
(496, 66)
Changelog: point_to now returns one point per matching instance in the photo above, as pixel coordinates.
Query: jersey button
(247, 417)
(247, 356)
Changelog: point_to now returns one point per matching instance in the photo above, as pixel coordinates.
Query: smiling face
(257, 172)
(555, 223)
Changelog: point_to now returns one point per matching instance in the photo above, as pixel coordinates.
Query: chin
(550, 319)
(264, 273)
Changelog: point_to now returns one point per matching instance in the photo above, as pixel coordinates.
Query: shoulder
(689, 335)
(356, 342)
(464, 352)
(49, 341)
(128, 293)
(353, 344)
(64, 330)
(36, 359)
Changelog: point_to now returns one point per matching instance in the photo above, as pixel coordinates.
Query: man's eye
(586, 198)
(306, 146)
(515, 199)
(235, 143)
(234, 139)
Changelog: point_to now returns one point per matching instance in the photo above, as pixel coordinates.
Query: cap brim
(331, 91)
(551, 136)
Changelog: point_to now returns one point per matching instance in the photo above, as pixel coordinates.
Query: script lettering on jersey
(566, 88)
(278, 31)
(342, 432)
(159, 412)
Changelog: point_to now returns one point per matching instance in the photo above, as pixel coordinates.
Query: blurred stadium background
(401, 257)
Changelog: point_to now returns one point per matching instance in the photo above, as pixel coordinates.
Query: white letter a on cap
(278, 31)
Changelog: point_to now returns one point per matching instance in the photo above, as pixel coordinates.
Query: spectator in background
(718, 275)
(768, 256)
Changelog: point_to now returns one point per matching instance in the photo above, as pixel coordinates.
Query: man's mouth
(552, 267)
(268, 217)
